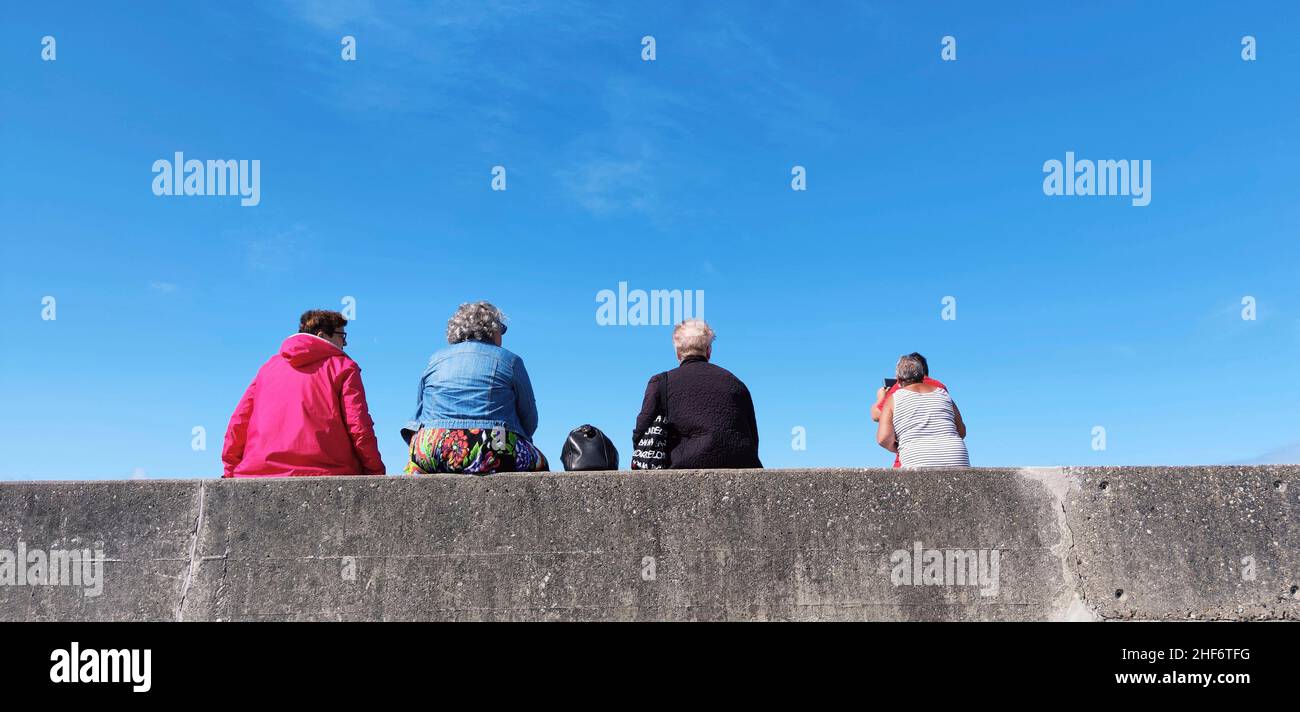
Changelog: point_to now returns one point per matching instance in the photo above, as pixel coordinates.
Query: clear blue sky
(924, 180)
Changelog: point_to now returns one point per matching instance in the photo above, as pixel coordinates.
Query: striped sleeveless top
(927, 430)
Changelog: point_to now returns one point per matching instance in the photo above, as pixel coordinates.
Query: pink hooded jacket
(304, 414)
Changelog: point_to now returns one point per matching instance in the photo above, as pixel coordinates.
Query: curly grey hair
(909, 370)
(476, 321)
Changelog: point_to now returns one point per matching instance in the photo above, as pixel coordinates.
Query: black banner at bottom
(216, 662)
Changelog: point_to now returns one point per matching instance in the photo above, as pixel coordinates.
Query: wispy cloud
(450, 60)
(1285, 455)
(755, 77)
(604, 186)
(277, 252)
(1230, 312)
(442, 57)
(1224, 322)
(162, 287)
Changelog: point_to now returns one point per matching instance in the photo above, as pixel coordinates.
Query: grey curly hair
(909, 370)
(475, 321)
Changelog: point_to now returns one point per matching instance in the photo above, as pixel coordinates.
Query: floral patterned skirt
(472, 451)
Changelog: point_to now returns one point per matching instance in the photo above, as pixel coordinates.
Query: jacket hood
(305, 349)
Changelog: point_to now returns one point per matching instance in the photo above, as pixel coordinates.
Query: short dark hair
(320, 321)
(925, 367)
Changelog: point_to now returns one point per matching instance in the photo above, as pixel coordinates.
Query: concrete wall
(1073, 543)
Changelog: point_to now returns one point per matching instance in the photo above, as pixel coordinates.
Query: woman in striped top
(921, 422)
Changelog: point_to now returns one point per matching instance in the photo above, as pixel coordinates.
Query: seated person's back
(710, 410)
(473, 380)
(921, 422)
(305, 413)
(475, 412)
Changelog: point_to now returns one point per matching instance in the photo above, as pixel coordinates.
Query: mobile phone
(889, 383)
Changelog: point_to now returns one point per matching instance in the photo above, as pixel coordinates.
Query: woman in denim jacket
(475, 412)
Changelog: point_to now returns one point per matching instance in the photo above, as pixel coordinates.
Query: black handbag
(587, 448)
(654, 446)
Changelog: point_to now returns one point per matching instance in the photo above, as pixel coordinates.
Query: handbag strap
(663, 398)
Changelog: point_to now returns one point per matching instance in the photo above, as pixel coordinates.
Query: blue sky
(924, 180)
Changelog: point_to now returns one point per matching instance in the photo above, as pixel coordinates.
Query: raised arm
(879, 404)
(885, 436)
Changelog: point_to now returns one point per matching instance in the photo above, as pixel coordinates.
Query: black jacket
(711, 412)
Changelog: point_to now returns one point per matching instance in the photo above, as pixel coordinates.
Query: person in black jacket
(709, 409)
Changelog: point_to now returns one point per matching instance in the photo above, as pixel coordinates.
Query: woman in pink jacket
(305, 412)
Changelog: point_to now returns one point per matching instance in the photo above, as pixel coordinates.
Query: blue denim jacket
(475, 385)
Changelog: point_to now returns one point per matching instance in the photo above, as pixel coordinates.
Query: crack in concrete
(1088, 611)
(1073, 604)
(194, 545)
(220, 591)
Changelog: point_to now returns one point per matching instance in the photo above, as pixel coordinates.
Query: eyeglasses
(343, 334)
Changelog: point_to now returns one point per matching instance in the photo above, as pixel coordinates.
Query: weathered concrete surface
(1203, 543)
(146, 529)
(1187, 543)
